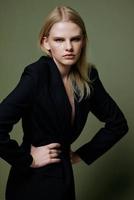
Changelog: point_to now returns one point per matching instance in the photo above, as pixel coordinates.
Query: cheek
(56, 51)
(79, 45)
(79, 48)
(56, 48)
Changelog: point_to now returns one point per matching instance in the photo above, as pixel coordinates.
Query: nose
(69, 46)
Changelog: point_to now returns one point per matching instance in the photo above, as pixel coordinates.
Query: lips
(69, 55)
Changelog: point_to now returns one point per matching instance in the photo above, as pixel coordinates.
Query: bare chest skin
(69, 91)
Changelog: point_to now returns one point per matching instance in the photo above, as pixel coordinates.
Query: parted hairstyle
(79, 73)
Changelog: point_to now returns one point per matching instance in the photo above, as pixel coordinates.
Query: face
(65, 42)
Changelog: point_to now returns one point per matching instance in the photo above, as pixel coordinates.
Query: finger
(54, 155)
(53, 145)
(51, 151)
(55, 160)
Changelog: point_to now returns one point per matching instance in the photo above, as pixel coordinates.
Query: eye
(76, 39)
(58, 39)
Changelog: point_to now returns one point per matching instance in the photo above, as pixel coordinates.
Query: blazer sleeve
(12, 109)
(107, 111)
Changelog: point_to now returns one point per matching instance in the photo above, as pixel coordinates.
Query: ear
(45, 43)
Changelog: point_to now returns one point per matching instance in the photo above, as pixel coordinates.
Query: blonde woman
(53, 98)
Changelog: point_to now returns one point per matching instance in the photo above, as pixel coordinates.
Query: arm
(12, 109)
(107, 111)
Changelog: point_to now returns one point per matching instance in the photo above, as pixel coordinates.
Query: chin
(69, 62)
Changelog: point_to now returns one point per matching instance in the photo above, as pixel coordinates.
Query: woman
(53, 99)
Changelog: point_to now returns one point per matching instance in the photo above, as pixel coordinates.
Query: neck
(64, 70)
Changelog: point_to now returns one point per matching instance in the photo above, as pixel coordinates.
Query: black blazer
(40, 100)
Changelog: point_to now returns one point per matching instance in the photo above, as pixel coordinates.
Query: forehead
(65, 29)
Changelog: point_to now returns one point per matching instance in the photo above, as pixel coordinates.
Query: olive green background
(110, 27)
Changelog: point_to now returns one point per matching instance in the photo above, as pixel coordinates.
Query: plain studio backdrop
(110, 27)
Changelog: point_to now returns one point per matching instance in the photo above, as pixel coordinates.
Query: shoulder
(38, 69)
(96, 84)
(93, 72)
(38, 66)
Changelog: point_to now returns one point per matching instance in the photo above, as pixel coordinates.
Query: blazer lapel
(59, 96)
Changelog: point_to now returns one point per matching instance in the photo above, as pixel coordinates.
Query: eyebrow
(75, 36)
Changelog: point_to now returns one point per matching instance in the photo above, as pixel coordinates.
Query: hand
(45, 155)
(74, 157)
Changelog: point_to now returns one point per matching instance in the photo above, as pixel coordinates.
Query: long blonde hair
(79, 75)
